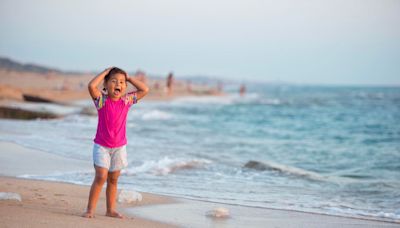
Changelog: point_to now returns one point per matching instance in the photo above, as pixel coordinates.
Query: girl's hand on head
(108, 69)
(127, 76)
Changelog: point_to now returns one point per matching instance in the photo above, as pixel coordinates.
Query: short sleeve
(130, 98)
(100, 101)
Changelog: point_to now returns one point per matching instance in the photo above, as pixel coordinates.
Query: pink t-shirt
(111, 127)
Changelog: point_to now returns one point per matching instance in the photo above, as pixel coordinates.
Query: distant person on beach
(141, 76)
(242, 90)
(109, 150)
(170, 82)
(220, 87)
(189, 86)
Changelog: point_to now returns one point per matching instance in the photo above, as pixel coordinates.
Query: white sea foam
(166, 166)
(156, 115)
(370, 95)
(389, 215)
(250, 98)
(255, 98)
(204, 100)
(271, 101)
(10, 196)
(47, 107)
(126, 196)
(385, 216)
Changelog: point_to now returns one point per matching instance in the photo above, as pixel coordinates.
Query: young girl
(109, 151)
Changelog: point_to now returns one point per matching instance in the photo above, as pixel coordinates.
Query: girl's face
(116, 86)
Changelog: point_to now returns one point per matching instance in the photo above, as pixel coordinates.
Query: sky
(345, 42)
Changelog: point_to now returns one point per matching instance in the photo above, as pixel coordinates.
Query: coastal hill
(11, 65)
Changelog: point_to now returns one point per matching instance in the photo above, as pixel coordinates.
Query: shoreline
(157, 210)
(45, 206)
(360, 217)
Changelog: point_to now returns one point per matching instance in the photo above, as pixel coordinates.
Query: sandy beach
(56, 204)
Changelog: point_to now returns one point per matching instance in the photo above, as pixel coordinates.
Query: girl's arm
(95, 82)
(142, 89)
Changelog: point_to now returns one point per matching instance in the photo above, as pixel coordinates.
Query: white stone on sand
(10, 196)
(218, 212)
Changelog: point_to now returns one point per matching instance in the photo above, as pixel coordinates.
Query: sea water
(323, 149)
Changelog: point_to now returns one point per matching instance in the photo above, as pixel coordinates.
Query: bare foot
(114, 214)
(88, 214)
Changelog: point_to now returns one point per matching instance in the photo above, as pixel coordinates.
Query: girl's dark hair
(114, 70)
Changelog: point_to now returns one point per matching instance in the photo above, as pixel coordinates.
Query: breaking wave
(229, 99)
(156, 115)
(289, 170)
(166, 166)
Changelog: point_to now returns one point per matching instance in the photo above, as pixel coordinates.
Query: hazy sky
(328, 42)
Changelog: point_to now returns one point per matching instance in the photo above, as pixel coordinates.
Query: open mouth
(117, 91)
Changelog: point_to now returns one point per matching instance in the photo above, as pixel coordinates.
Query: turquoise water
(331, 150)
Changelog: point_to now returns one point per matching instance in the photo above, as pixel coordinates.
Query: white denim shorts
(113, 159)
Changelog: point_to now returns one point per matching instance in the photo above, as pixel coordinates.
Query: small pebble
(218, 212)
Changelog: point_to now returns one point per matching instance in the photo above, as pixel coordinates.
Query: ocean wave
(262, 101)
(229, 99)
(47, 107)
(272, 166)
(256, 99)
(366, 95)
(392, 216)
(224, 100)
(81, 177)
(166, 166)
(156, 115)
(271, 101)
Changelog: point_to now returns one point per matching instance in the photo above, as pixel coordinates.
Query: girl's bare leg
(111, 193)
(97, 185)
